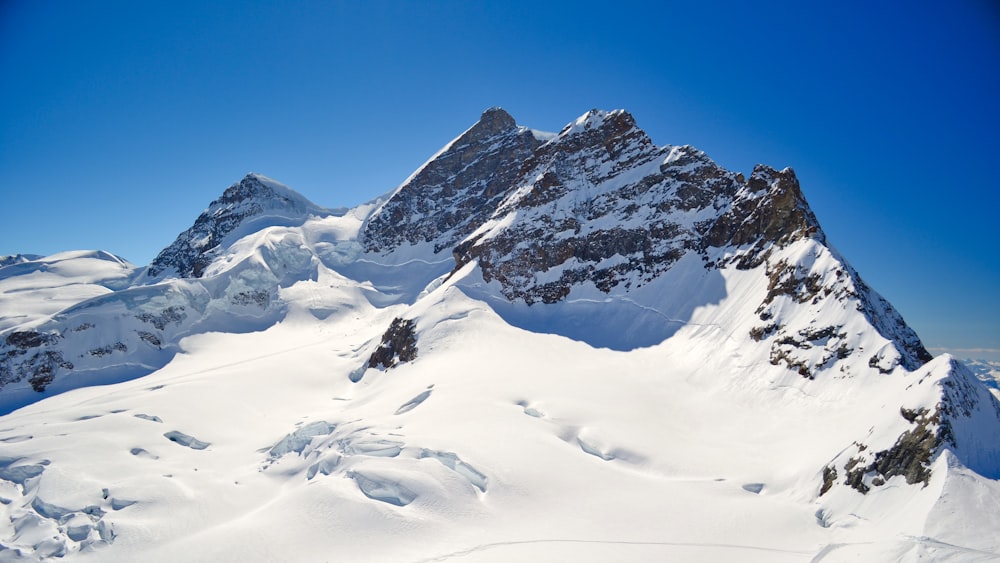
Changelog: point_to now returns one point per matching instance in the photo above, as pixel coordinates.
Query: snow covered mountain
(35, 287)
(570, 346)
(253, 203)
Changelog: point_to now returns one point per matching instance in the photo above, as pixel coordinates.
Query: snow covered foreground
(495, 444)
(243, 415)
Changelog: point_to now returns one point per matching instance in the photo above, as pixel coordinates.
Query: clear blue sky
(121, 121)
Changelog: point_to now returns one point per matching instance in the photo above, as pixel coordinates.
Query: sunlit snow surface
(496, 444)
(233, 416)
(33, 290)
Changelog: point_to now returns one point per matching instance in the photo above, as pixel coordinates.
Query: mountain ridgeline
(599, 204)
(593, 233)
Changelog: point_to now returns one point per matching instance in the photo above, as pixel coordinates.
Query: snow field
(687, 417)
(659, 452)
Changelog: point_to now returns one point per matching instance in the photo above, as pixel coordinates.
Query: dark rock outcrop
(957, 423)
(769, 210)
(398, 345)
(910, 456)
(31, 356)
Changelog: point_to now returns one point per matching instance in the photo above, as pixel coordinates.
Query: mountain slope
(254, 202)
(35, 287)
(663, 357)
(237, 256)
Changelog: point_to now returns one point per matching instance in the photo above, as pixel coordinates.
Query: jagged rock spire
(493, 121)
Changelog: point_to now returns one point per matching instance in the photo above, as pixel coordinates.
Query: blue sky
(121, 121)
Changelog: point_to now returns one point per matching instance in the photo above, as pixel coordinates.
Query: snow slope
(32, 290)
(625, 353)
(497, 442)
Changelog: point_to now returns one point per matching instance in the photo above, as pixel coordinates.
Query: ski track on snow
(248, 360)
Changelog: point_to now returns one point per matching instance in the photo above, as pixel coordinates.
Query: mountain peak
(493, 122)
(270, 193)
(252, 203)
(497, 116)
(771, 209)
(457, 189)
(598, 118)
(614, 131)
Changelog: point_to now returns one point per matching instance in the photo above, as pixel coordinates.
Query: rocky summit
(252, 199)
(626, 337)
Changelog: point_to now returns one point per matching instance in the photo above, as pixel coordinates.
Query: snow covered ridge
(254, 202)
(530, 323)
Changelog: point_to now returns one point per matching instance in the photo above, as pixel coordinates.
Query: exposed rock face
(955, 422)
(909, 457)
(599, 204)
(768, 209)
(27, 356)
(253, 197)
(65, 343)
(398, 345)
(455, 192)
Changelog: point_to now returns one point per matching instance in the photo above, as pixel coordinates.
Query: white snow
(543, 136)
(34, 290)
(593, 119)
(640, 424)
(496, 443)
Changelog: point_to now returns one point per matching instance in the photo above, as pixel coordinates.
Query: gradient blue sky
(121, 121)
